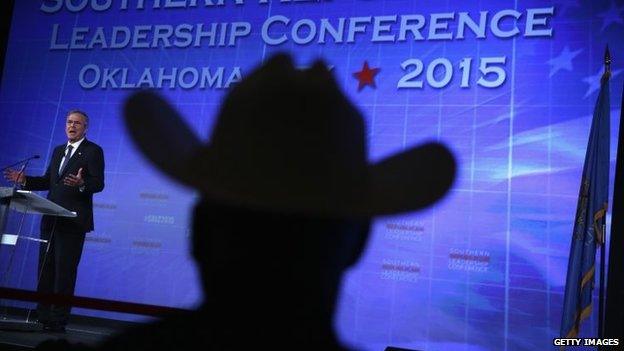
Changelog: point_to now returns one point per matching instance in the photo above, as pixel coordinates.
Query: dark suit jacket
(90, 158)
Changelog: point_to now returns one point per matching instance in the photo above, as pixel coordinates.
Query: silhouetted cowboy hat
(288, 140)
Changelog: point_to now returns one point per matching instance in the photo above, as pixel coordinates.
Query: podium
(25, 202)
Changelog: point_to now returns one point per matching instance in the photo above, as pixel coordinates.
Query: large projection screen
(509, 86)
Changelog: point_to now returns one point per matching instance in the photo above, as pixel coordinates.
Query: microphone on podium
(26, 160)
(24, 163)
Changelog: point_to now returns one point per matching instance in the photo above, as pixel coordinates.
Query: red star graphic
(366, 76)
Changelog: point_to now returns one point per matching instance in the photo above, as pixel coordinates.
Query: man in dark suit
(74, 174)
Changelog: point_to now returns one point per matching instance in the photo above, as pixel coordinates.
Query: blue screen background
(484, 269)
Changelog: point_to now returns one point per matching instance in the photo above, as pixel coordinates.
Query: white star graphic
(563, 61)
(612, 15)
(594, 81)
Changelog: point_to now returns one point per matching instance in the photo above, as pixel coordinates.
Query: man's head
(76, 125)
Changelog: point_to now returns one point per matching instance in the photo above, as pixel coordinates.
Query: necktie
(66, 159)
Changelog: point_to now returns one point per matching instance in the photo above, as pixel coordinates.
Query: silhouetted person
(287, 195)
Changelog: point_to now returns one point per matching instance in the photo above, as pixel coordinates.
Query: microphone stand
(21, 172)
(20, 162)
(6, 194)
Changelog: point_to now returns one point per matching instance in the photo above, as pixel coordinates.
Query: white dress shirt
(75, 146)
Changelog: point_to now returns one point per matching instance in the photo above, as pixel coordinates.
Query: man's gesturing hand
(12, 175)
(74, 180)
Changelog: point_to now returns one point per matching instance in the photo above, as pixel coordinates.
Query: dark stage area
(371, 175)
(80, 330)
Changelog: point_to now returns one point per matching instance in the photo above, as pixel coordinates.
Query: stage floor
(84, 330)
